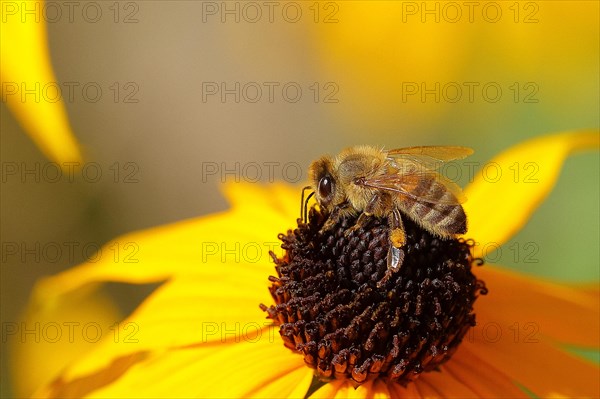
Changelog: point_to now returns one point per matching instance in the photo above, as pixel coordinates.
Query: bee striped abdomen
(442, 218)
(455, 221)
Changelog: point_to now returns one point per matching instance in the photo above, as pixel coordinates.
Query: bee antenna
(302, 207)
(306, 206)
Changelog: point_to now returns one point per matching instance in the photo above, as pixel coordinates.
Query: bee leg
(331, 221)
(333, 218)
(397, 235)
(362, 222)
(395, 256)
(365, 217)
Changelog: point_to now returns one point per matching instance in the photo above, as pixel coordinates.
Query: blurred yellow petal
(508, 189)
(372, 53)
(81, 387)
(395, 63)
(71, 330)
(29, 86)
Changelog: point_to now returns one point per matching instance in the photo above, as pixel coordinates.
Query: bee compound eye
(325, 187)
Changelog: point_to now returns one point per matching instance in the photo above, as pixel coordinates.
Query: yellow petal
(212, 296)
(329, 390)
(205, 246)
(374, 389)
(210, 371)
(379, 390)
(544, 369)
(457, 379)
(294, 385)
(185, 312)
(530, 361)
(410, 391)
(508, 189)
(532, 308)
(283, 199)
(29, 86)
(443, 385)
(348, 391)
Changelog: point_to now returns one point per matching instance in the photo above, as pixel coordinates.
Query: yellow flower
(202, 334)
(29, 86)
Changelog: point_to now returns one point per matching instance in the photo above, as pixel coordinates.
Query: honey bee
(391, 184)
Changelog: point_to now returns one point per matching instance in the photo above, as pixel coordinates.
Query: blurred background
(169, 98)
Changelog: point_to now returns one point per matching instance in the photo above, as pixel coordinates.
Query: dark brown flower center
(330, 309)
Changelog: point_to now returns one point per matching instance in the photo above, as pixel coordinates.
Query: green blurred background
(384, 73)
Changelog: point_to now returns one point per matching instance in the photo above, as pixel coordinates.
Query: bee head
(324, 183)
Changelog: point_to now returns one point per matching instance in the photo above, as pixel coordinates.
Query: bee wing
(407, 184)
(430, 157)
